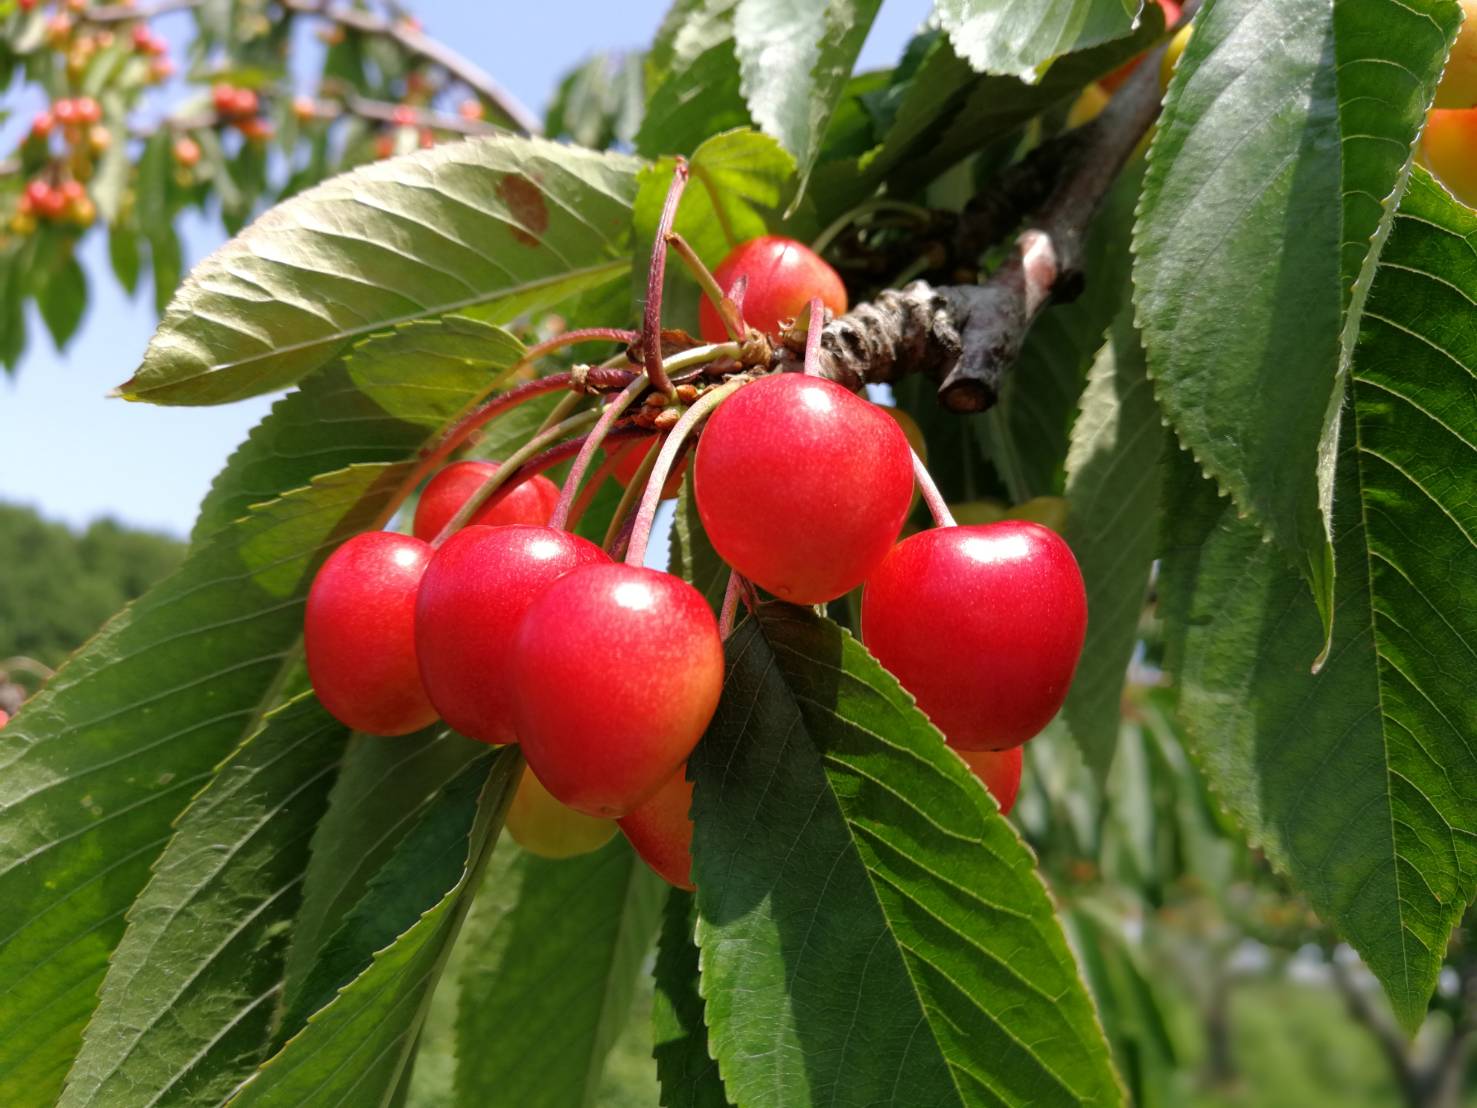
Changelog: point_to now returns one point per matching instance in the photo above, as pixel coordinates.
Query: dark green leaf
(1001, 36)
(186, 1009)
(124, 254)
(357, 1048)
(691, 556)
(1113, 497)
(868, 921)
(63, 299)
(688, 1073)
(554, 950)
(499, 225)
(1361, 781)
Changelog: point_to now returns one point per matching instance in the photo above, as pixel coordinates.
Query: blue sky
(73, 453)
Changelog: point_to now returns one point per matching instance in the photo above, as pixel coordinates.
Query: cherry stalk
(651, 329)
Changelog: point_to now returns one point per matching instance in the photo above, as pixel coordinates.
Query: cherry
(187, 152)
(359, 634)
(472, 598)
(1000, 770)
(1450, 149)
(983, 625)
(802, 486)
(1458, 88)
(661, 830)
(4, 717)
(630, 455)
(531, 501)
(784, 276)
(617, 671)
(543, 826)
(1114, 80)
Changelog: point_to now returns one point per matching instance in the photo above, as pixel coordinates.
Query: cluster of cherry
(607, 674)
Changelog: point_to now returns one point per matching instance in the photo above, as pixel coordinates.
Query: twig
(651, 329)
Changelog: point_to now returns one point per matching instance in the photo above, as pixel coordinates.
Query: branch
(1391, 1042)
(419, 44)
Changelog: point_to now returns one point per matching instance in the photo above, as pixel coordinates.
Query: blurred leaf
(110, 181)
(124, 256)
(1001, 36)
(499, 225)
(868, 921)
(554, 950)
(691, 555)
(63, 299)
(688, 1073)
(600, 103)
(1215, 219)
(356, 1049)
(185, 1011)
(1359, 782)
(1113, 474)
(168, 263)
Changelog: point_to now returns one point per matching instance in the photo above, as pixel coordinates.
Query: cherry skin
(784, 276)
(1000, 770)
(543, 826)
(1449, 148)
(529, 501)
(472, 599)
(630, 455)
(983, 625)
(661, 831)
(359, 634)
(802, 486)
(617, 671)
(4, 717)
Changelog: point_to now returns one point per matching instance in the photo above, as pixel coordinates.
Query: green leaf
(868, 921)
(600, 102)
(381, 403)
(1257, 168)
(501, 225)
(1026, 433)
(1001, 36)
(1359, 782)
(100, 763)
(62, 300)
(383, 790)
(1113, 473)
(357, 1048)
(185, 1011)
(123, 253)
(692, 79)
(691, 556)
(554, 952)
(688, 1073)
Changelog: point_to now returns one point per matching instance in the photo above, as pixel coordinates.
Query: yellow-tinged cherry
(543, 826)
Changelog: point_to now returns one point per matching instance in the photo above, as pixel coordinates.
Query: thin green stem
(866, 207)
(733, 322)
(561, 411)
(931, 495)
(814, 325)
(613, 411)
(651, 326)
(628, 499)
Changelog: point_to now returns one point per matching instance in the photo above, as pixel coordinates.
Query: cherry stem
(942, 517)
(700, 410)
(622, 522)
(651, 328)
(602, 471)
(506, 470)
(561, 411)
(727, 311)
(729, 609)
(613, 411)
(813, 331)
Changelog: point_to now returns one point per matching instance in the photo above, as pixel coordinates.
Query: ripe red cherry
(359, 634)
(1000, 770)
(471, 600)
(531, 501)
(630, 455)
(661, 830)
(983, 625)
(4, 717)
(784, 276)
(802, 486)
(617, 671)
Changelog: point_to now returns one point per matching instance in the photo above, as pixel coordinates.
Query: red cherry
(802, 486)
(65, 112)
(784, 276)
(618, 670)
(661, 831)
(4, 717)
(403, 115)
(630, 455)
(50, 203)
(471, 601)
(983, 625)
(1000, 770)
(223, 96)
(1114, 80)
(531, 501)
(88, 110)
(41, 124)
(359, 634)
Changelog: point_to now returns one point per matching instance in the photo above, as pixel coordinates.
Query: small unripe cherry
(161, 69)
(41, 124)
(629, 456)
(187, 152)
(1000, 770)
(617, 671)
(530, 501)
(305, 108)
(1458, 88)
(254, 129)
(88, 110)
(802, 486)
(543, 826)
(472, 600)
(403, 116)
(50, 202)
(660, 829)
(384, 146)
(470, 109)
(783, 277)
(983, 625)
(65, 112)
(359, 634)
(1088, 106)
(4, 717)
(1449, 148)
